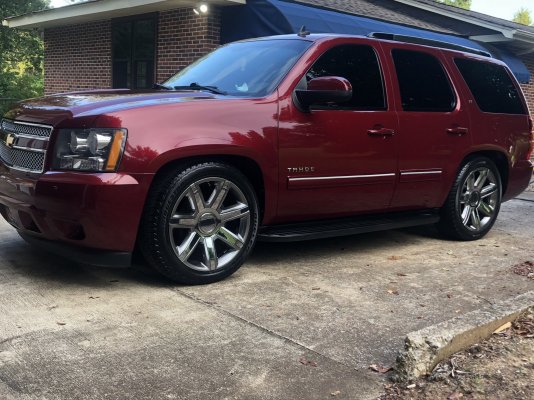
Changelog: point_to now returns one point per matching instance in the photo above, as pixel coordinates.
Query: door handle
(458, 130)
(381, 131)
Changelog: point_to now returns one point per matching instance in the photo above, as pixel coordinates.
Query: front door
(341, 159)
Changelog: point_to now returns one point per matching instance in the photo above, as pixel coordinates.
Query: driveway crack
(261, 328)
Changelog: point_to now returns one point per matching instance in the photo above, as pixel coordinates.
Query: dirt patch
(502, 367)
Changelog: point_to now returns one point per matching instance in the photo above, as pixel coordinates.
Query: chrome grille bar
(26, 128)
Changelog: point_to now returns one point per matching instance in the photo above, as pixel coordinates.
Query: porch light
(202, 9)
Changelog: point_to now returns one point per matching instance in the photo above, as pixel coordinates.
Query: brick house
(134, 43)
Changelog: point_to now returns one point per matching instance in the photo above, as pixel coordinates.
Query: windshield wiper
(196, 86)
(161, 86)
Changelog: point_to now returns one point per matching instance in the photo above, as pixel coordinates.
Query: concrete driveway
(298, 321)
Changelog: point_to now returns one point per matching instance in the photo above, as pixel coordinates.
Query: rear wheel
(200, 224)
(474, 201)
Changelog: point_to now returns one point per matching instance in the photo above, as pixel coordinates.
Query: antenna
(303, 32)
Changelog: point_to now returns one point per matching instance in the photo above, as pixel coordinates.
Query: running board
(345, 226)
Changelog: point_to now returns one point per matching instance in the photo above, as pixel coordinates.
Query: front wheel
(200, 224)
(474, 201)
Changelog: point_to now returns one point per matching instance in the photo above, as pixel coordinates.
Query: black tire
(468, 202)
(204, 230)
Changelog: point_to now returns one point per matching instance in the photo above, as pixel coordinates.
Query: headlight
(95, 150)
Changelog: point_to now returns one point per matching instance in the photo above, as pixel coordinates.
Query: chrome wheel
(479, 199)
(209, 224)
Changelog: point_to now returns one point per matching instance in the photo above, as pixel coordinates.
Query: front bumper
(87, 211)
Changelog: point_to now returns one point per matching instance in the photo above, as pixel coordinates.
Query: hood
(51, 110)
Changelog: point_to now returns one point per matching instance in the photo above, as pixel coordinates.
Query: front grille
(20, 157)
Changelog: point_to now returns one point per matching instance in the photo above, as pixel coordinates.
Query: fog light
(84, 164)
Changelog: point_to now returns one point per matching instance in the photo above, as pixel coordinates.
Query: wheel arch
(500, 160)
(247, 166)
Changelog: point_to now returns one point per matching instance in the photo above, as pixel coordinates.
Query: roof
(392, 11)
(436, 16)
(94, 10)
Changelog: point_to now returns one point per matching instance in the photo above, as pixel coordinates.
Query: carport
(275, 17)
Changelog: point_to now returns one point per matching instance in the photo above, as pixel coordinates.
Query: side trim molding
(421, 175)
(310, 182)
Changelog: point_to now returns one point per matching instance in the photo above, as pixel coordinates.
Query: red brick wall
(184, 37)
(78, 57)
(528, 88)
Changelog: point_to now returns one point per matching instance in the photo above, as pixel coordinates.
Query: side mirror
(324, 90)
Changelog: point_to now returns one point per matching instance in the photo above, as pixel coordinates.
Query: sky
(502, 8)
(498, 8)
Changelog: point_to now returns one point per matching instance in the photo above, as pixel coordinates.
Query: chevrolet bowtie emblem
(10, 139)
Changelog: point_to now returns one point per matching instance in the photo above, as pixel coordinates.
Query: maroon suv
(281, 138)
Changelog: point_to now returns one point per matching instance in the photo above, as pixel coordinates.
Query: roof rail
(427, 42)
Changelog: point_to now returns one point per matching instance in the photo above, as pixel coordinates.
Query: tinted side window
(359, 65)
(491, 86)
(422, 82)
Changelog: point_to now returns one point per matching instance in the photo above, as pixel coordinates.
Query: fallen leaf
(380, 369)
(502, 328)
(394, 258)
(395, 292)
(309, 363)
(524, 269)
(336, 393)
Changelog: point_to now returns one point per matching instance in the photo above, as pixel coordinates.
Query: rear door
(434, 126)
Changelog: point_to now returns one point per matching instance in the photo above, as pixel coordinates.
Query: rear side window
(359, 65)
(422, 82)
(492, 87)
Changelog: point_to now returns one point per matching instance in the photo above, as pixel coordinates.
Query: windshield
(250, 69)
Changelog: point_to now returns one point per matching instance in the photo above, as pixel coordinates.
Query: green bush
(17, 86)
(21, 55)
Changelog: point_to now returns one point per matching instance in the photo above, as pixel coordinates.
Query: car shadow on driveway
(25, 259)
(387, 241)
